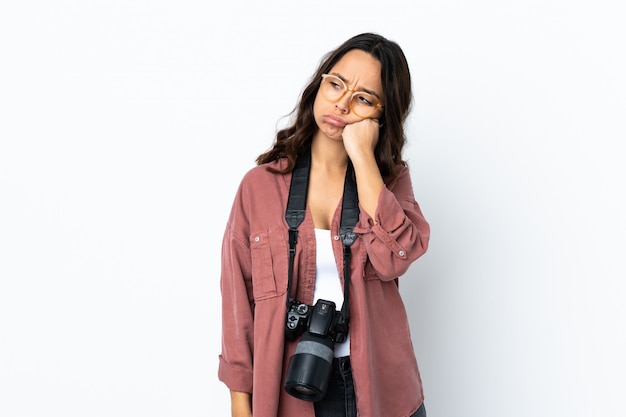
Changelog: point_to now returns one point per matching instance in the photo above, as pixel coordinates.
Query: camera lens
(304, 391)
(310, 367)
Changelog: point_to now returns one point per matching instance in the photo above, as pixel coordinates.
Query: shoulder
(259, 181)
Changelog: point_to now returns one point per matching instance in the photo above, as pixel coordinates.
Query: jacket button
(401, 253)
(256, 239)
(336, 237)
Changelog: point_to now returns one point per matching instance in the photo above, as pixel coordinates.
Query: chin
(334, 133)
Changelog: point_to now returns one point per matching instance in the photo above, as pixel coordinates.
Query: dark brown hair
(396, 82)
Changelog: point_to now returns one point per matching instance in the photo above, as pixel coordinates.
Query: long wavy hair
(396, 82)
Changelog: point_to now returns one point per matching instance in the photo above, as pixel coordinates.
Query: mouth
(334, 121)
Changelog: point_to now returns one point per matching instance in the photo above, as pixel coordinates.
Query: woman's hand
(240, 404)
(360, 138)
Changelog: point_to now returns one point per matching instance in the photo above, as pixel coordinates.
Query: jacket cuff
(236, 378)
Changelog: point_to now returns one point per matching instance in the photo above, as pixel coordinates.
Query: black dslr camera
(321, 326)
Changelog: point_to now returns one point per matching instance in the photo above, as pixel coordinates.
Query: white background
(125, 127)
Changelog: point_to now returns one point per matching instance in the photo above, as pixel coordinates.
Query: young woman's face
(360, 72)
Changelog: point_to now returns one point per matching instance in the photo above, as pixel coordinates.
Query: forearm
(240, 404)
(369, 183)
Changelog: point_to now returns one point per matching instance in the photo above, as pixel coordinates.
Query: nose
(343, 104)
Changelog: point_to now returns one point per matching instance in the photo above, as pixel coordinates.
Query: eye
(336, 85)
(365, 100)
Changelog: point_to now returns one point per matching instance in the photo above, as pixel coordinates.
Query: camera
(321, 326)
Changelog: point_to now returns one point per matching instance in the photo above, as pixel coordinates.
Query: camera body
(320, 326)
(297, 319)
(322, 319)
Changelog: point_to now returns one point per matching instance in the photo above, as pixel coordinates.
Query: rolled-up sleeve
(398, 234)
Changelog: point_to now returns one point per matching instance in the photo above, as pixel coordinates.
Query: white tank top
(327, 281)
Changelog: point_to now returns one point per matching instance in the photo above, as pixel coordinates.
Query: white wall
(125, 127)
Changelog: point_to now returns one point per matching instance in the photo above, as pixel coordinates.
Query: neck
(329, 155)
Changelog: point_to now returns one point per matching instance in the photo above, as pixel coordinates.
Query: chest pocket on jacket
(269, 254)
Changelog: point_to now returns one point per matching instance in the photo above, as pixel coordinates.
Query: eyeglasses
(361, 103)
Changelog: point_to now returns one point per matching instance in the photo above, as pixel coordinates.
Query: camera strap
(296, 209)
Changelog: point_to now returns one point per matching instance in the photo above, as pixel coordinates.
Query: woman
(348, 124)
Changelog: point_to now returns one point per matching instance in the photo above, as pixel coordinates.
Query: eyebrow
(365, 90)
